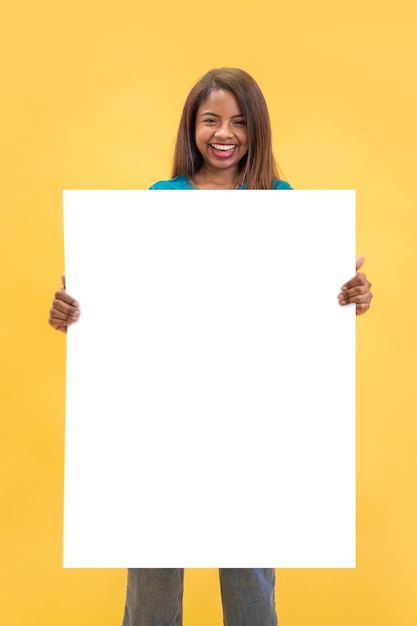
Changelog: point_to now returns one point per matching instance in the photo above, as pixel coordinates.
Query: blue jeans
(154, 597)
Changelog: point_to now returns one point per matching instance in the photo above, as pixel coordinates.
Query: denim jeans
(154, 597)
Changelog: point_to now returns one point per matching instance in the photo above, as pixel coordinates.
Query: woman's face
(220, 131)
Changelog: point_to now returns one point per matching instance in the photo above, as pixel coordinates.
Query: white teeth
(222, 146)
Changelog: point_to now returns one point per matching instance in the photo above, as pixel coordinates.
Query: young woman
(224, 142)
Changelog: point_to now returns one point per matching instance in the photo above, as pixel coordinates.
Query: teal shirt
(181, 182)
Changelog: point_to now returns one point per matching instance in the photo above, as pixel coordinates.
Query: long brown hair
(258, 166)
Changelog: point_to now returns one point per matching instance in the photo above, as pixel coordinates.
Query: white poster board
(210, 407)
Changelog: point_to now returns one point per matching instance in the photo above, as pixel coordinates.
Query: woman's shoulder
(179, 182)
(280, 184)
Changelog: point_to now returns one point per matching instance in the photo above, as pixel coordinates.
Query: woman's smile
(223, 150)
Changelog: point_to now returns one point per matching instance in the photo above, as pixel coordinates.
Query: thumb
(359, 262)
(63, 280)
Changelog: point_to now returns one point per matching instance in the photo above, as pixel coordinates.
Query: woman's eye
(240, 122)
(210, 121)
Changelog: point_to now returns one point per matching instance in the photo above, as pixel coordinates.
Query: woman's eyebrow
(217, 115)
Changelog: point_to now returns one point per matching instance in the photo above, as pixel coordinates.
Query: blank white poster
(210, 403)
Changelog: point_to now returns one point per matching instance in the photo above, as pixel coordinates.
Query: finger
(358, 279)
(56, 320)
(65, 307)
(359, 262)
(63, 296)
(360, 290)
(58, 324)
(362, 308)
(63, 312)
(62, 329)
(63, 280)
(64, 316)
(361, 298)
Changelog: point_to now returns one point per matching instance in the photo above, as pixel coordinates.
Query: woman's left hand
(357, 290)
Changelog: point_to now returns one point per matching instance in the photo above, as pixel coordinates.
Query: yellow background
(91, 95)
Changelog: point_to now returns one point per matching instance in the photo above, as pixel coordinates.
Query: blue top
(181, 182)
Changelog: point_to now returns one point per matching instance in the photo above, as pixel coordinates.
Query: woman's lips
(223, 150)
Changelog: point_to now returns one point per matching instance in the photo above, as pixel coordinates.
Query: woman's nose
(224, 131)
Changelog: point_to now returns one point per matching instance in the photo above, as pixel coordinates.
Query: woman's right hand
(64, 310)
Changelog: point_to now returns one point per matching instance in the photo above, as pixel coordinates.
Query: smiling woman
(223, 142)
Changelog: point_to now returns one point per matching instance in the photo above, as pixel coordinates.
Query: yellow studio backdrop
(91, 98)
